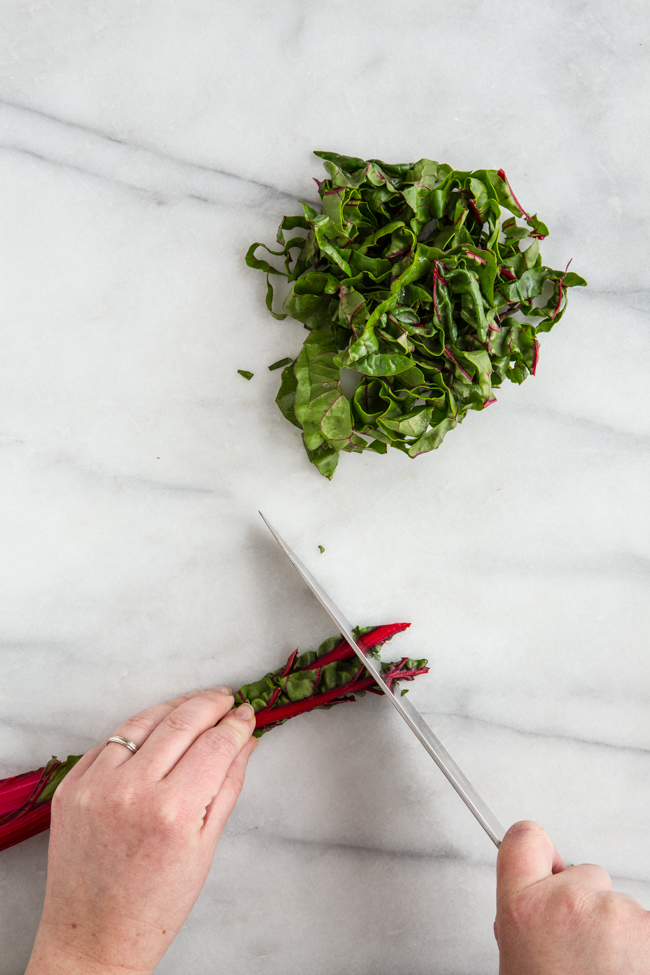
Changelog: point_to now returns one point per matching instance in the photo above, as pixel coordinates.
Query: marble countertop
(143, 146)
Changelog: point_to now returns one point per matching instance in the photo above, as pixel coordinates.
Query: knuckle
(570, 907)
(105, 801)
(167, 815)
(84, 798)
(616, 912)
(179, 720)
(80, 799)
(144, 721)
(223, 741)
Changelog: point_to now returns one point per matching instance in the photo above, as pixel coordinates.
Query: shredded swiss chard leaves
(409, 277)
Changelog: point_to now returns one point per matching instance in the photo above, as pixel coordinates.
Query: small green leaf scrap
(279, 364)
(409, 276)
(321, 549)
(245, 373)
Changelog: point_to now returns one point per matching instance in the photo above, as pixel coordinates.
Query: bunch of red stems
(25, 800)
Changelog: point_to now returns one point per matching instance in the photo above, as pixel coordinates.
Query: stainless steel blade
(413, 718)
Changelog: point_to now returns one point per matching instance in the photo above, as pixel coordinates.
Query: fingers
(526, 856)
(136, 729)
(200, 774)
(219, 810)
(175, 702)
(179, 729)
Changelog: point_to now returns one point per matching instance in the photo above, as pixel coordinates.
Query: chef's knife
(413, 718)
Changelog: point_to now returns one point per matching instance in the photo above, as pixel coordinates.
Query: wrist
(53, 955)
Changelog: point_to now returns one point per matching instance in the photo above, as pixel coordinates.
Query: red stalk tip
(505, 179)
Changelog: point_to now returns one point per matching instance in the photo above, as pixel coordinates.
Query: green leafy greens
(409, 277)
(279, 364)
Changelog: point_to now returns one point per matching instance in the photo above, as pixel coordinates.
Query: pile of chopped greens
(409, 277)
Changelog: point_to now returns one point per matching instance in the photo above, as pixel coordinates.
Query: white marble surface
(143, 146)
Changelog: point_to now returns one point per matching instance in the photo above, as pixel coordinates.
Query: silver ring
(123, 741)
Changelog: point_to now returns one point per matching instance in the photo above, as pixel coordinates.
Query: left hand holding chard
(134, 828)
(315, 679)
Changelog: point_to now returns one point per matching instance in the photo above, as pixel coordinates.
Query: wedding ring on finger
(123, 741)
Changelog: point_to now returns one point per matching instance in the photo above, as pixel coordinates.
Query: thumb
(526, 856)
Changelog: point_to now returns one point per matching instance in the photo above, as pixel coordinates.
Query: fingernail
(245, 712)
(223, 689)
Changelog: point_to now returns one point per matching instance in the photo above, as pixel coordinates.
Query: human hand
(133, 835)
(557, 920)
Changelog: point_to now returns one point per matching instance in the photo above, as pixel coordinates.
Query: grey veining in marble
(143, 146)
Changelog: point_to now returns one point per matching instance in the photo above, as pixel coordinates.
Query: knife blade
(408, 712)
